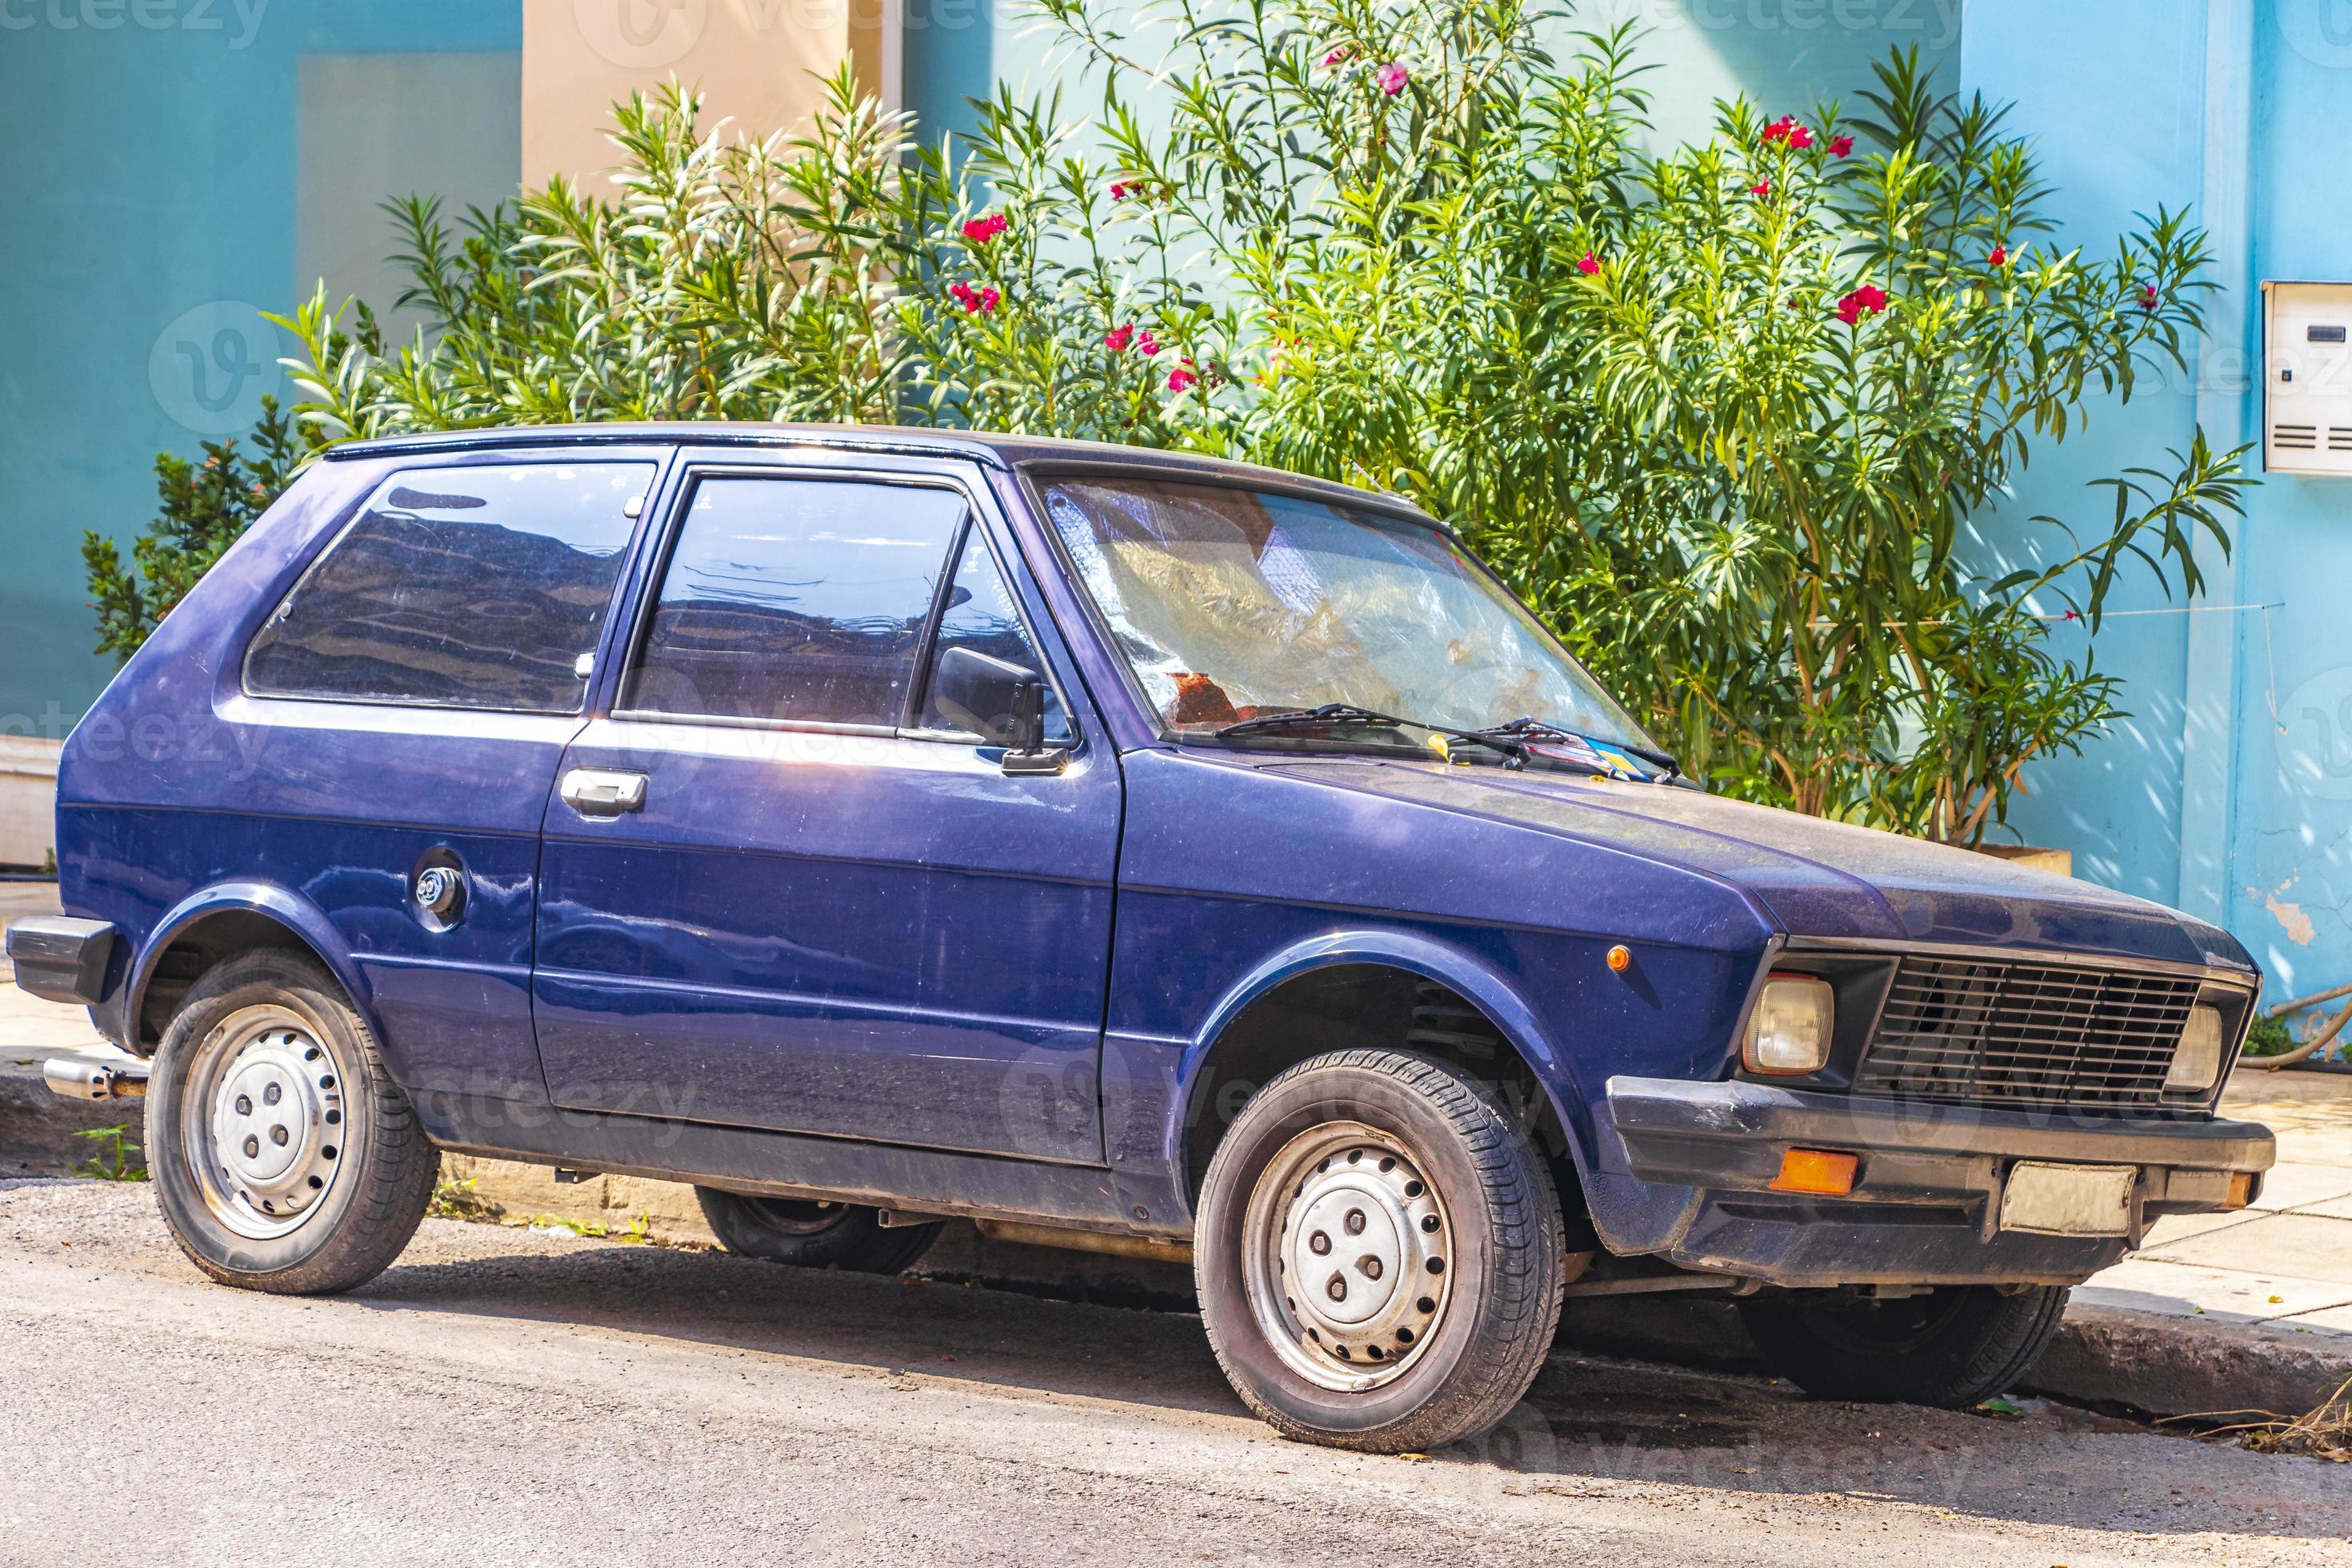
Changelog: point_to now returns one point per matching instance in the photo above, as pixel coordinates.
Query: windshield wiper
(1510, 742)
(1528, 731)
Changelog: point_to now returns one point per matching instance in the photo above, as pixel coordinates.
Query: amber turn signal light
(1621, 958)
(1822, 1172)
(2241, 1190)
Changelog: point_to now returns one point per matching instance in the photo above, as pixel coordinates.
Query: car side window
(979, 615)
(796, 600)
(475, 587)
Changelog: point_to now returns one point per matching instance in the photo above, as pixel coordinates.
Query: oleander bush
(1725, 415)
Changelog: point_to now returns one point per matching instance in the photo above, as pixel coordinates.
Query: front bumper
(1926, 1199)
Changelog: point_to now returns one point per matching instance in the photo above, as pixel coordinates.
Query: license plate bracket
(2046, 1199)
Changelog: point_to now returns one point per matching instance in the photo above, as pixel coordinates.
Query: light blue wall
(2127, 126)
(151, 195)
(1787, 54)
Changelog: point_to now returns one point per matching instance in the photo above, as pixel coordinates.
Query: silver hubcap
(263, 1124)
(1346, 1259)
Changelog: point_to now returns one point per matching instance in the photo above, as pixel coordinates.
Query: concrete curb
(36, 1128)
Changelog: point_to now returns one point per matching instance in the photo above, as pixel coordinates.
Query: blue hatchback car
(876, 827)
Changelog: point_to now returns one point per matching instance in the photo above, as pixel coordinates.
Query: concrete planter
(28, 800)
(2061, 861)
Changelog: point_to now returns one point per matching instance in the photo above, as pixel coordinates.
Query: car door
(777, 888)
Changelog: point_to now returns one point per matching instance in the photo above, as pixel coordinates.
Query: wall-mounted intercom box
(2307, 378)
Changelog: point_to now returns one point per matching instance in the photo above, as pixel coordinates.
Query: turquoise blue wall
(151, 199)
(2269, 817)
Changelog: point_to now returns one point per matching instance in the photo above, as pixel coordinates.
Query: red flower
(1800, 137)
(1148, 344)
(1178, 380)
(1118, 338)
(1589, 265)
(1391, 77)
(1840, 145)
(988, 298)
(981, 230)
(1780, 129)
(965, 295)
(1338, 57)
(1760, 190)
(1870, 297)
(1120, 190)
(2147, 298)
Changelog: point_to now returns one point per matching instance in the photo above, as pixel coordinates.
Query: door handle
(602, 792)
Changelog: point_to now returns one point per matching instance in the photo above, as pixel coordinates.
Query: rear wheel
(284, 1157)
(1378, 1254)
(813, 1233)
(1954, 1346)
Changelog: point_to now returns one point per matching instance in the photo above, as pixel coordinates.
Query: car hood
(1811, 876)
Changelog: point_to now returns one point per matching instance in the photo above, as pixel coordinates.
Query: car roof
(1004, 452)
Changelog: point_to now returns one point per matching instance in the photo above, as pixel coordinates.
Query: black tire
(383, 1169)
(1954, 1346)
(813, 1235)
(1493, 1319)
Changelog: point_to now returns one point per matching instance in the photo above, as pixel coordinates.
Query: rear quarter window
(459, 587)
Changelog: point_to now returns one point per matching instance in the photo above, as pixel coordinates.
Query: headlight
(1788, 1031)
(2196, 1065)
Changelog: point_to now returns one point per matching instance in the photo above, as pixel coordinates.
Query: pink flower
(1589, 265)
(1148, 344)
(975, 301)
(1178, 380)
(1118, 338)
(989, 298)
(1338, 57)
(1761, 190)
(2000, 257)
(2147, 298)
(981, 230)
(1391, 77)
(1120, 190)
(1840, 145)
(1800, 137)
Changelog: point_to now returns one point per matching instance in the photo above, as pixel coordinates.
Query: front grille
(2026, 1034)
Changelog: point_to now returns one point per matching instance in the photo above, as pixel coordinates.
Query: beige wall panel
(753, 60)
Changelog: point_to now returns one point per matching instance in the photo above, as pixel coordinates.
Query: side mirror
(1003, 703)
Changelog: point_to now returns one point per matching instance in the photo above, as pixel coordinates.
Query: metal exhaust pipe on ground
(79, 1078)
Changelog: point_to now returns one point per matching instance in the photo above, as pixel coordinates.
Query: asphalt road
(502, 1398)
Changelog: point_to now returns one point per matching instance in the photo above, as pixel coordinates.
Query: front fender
(1471, 976)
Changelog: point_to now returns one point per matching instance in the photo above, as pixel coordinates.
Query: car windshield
(1231, 604)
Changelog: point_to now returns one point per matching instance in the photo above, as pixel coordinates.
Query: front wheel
(813, 1233)
(285, 1159)
(1954, 1346)
(1378, 1254)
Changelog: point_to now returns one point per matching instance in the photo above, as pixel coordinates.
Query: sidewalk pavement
(2251, 1309)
